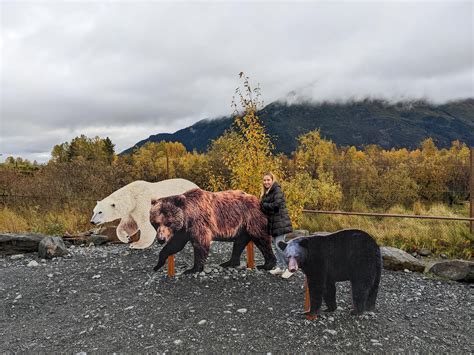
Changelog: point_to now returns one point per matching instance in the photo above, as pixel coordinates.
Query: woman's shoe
(277, 271)
(287, 274)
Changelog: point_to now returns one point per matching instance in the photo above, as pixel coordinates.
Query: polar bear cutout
(132, 204)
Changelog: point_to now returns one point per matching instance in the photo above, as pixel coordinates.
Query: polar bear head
(112, 208)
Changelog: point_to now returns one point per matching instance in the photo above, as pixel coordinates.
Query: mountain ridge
(357, 123)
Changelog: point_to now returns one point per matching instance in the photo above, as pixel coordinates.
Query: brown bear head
(167, 216)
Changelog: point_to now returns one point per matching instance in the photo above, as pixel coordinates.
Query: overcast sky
(128, 70)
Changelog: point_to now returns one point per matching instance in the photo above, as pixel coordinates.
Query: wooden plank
(250, 255)
(171, 266)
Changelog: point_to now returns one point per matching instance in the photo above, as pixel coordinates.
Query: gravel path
(107, 299)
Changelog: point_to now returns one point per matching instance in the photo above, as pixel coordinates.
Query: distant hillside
(355, 123)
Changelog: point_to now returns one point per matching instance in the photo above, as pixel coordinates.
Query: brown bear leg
(201, 251)
(237, 249)
(174, 245)
(265, 247)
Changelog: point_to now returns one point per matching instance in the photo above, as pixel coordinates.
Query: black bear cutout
(347, 255)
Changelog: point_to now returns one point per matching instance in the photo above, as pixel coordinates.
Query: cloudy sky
(131, 69)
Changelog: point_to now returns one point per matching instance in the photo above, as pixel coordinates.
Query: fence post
(171, 266)
(250, 256)
(471, 193)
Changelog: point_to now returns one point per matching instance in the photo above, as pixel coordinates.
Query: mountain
(389, 125)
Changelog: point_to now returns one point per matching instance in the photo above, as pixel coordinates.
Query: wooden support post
(171, 266)
(471, 192)
(250, 256)
(307, 304)
(307, 301)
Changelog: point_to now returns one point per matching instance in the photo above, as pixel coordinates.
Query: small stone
(330, 331)
(443, 256)
(96, 276)
(178, 342)
(33, 263)
(18, 297)
(242, 310)
(331, 319)
(406, 270)
(128, 308)
(424, 252)
(50, 275)
(17, 256)
(202, 322)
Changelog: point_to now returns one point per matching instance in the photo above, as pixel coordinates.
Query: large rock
(51, 247)
(457, 270)
(396, 259)
(20, 243)
(297, 233)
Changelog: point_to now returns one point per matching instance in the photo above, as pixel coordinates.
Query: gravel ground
(108, 299)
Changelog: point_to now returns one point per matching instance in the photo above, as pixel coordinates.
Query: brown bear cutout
(200, 217)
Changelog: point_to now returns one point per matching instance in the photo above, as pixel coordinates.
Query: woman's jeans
(280, 255)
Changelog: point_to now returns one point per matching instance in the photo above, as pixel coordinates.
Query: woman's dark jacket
(274, 206)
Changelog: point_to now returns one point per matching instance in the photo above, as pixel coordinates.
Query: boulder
(297, 233)
(456, 270)
(11, 244)
(51, 247)
(396, 259)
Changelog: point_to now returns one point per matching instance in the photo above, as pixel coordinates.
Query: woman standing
(272, 203)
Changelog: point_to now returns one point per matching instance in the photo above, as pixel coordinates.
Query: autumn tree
(253, 155)
(82, 147)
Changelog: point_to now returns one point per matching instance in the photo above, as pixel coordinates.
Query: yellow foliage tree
(315, 154)
(253, 155)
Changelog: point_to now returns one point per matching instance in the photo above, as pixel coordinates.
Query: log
(20, 243)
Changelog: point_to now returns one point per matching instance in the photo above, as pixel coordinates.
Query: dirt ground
(108, 299)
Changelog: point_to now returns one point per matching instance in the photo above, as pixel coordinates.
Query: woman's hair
(274, 179)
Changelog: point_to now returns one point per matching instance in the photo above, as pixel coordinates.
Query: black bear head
(296, 252)
(167, 216)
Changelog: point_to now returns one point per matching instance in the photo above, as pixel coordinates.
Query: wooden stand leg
(307, 302)
(250, 256)
(171, 266)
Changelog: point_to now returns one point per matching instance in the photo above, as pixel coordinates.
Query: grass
(49, 222)
(452, 238)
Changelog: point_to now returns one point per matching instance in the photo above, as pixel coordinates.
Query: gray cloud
(127, 70)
